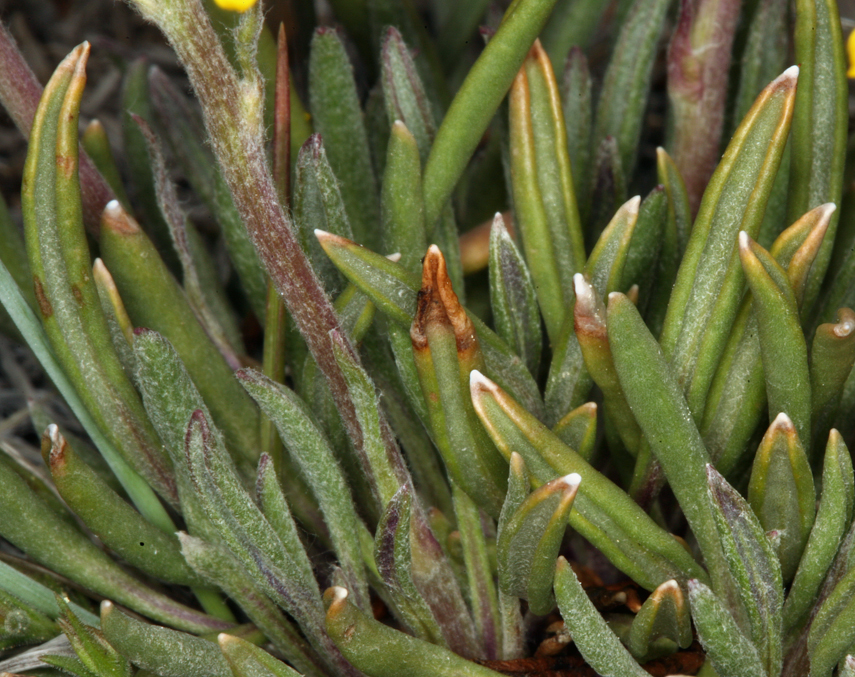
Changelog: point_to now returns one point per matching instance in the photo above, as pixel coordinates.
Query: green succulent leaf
(154, 300)
(338, 118)
(478, 99)
(596, 642)
(318, 203)
(576, 89)
(664, 614)
(602, 512)
(163, 651)
(781, 491)
(512, 297)
(820, 120)
(529, 541)
(731, 653)
(308, 447)
(754, 567)
(358, 635)
(544, 199)
(479, 573)
(22, 624)
(220, 568)
(833, 517)
(708, 290)
(393, 557)
(831, 359)
(782, 345)
(394, 290)
(247, 660)
(67, 298)
(578, 430)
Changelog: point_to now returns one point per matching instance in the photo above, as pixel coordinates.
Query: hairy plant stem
(233, 112)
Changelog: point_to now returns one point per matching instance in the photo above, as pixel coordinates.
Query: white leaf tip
(791, 73)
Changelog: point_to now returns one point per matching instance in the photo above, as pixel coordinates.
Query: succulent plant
(383, 486)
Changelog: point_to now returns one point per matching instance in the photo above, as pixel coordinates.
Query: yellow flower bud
(850, 51)
(235, 5)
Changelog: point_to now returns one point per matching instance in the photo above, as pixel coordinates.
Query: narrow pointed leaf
(163, 651)
(36, 596)
(664, 614)
(731, 653)
(754, 568)
(737, 397)
(602, 512)
(578, 430)
(544, 198)
(590, 321)
(404, 94)
(22, 624)
(620, 108)
(247, 660)
(482, 589)
(318, 203)
(338, 118)
(512, 297)
(645, 248)
(204, 292)
(664, 417)
(281, 568)
(832, 357)
(605, 266)
(93, 651)
(385, 471)
(576, 87)
(33, 527)
(96, 143)
(833, 517)
(607, 187)
(185, 133)
(832, 631)
(709, 284)
(599, 646)
(394, 291)
(59, 258)
(781, 491)
(530, 540)
(478, 99)
(393, 555)
(819, 122)
(109, 517)
(220, 568)
(445, 351)
(782, 344)
(140, 493)
(358, 635)
(306, 444)
(155, 301)
(401, 205)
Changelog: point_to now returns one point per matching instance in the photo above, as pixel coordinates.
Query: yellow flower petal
(850, 51)
(235, 5)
